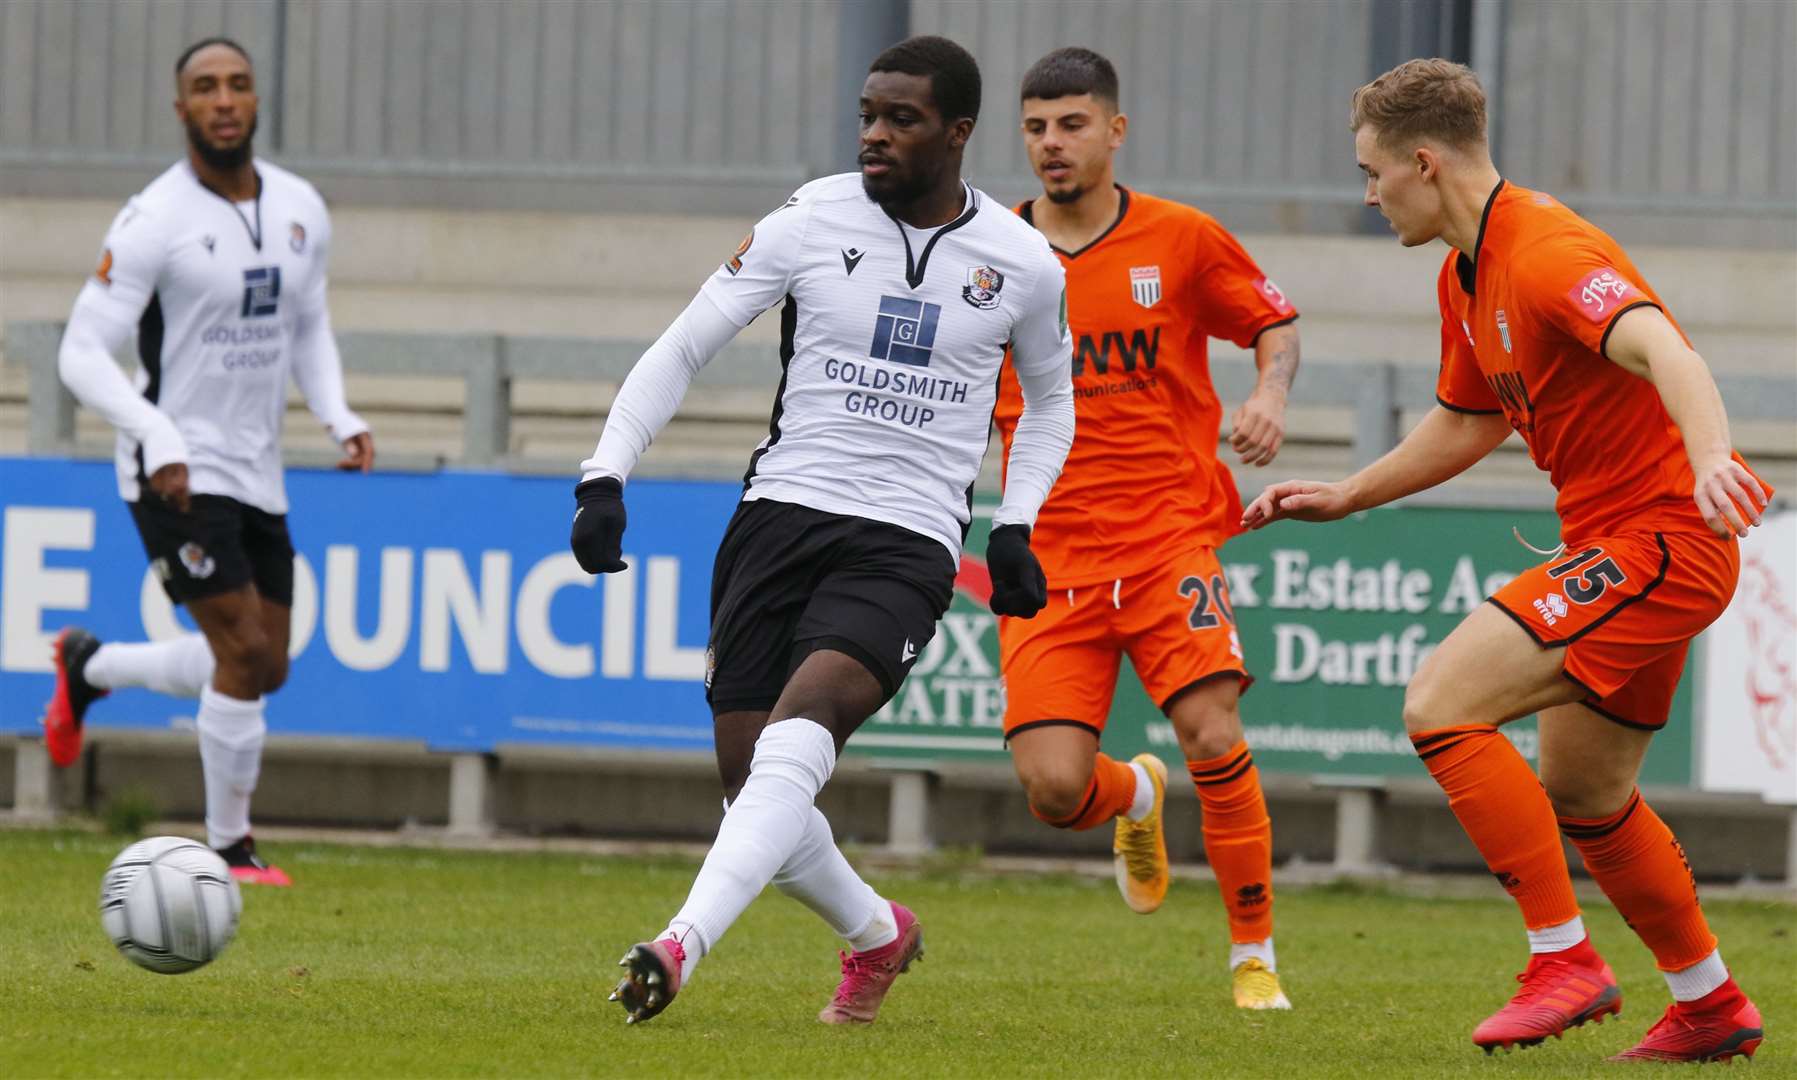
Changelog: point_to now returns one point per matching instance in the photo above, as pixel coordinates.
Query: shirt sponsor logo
(1600, 293)
(1275, 295)
(982, 288)
(1503, 325)
(261, 292)
(734, 264)
(1145, 285)
(905, 331)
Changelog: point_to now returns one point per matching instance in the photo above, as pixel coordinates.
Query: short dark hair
(1070, 72)
(954, 74)
(204, 43)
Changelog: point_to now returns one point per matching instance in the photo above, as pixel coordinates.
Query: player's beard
(902, 190)
(222, 158)
(1064, 196)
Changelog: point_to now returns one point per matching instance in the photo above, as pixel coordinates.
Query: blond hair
(1423, 99)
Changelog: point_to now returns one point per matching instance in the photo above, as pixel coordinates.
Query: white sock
(765, 824)
(1698, 979)
(180, 668)
(818, 876)
(1144, 800)
(231, 733)
(1252, 950)
(1557, 938)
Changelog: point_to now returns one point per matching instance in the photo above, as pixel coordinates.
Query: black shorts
(218, 546)
(791, 580)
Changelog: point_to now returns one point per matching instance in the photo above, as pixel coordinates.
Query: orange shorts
(1625, 608)
(1175, 622)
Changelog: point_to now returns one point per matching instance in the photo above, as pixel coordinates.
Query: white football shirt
(218, 292)
(891, 343)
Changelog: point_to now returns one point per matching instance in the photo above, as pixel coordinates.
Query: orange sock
(1505, 812)
(1238, 840)
(1642, 869)
(1109, 793)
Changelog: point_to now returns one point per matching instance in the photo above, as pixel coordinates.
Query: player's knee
(1056, 795)
(1426, 706)
(274, 670)
(1210, 731)
(242, 650)
(1579, 794)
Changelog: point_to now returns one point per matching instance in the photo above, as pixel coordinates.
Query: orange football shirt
(1143, 484)
(1523, 331)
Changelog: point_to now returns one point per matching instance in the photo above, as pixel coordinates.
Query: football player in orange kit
(1129, 536)
(1549, 330)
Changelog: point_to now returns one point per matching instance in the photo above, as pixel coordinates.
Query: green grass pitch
(416, 962)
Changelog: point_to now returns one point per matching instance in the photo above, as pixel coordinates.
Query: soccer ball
(169, 904)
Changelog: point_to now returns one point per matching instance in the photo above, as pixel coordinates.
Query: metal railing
(1377, 392)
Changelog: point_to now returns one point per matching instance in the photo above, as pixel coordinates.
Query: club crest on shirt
(1600, 292)
(711, 665)
(1503, 325)
(1145, 285)
(296, 238)
(199, 564)
(735, 263)
(982, 288)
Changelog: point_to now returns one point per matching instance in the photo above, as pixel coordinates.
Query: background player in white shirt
(900, 288)
(218, 270)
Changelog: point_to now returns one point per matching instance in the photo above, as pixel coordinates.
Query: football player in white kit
(899, 287)
(217, 268)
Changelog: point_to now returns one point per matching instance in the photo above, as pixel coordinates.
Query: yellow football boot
(1257, 987)
(1139, 852)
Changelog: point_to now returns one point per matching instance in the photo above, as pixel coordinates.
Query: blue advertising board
(442, 607)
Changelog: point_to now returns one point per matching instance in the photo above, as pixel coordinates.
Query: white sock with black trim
(180, 667)
(231, 735)
(820, 877)
(765, 824)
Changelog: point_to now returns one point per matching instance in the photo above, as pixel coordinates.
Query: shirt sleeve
(104, 319)
(317, 366)
(651, 393)
(1578, 287)
(1042, 356)
(759, 274)
(1461, 385)
(129, 267)
(1235, 299)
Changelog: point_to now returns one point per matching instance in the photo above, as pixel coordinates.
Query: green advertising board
(1333, 619)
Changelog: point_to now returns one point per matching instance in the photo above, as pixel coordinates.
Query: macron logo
(908, 652)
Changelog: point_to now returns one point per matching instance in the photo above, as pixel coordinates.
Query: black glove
(598, 534)
(1019, 587)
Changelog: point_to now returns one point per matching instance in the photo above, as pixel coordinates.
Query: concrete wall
(581, 793)
(1672, 120)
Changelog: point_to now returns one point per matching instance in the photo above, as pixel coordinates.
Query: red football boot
(653, 977)
(249, 868)
(1560, 990)
(867, 976)
(1715, 1027)
(69, 701)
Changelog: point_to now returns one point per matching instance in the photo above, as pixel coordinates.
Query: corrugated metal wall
(1655, 106)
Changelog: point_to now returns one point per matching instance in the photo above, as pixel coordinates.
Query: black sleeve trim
(1287, 321)
(1603, 344)
(1450, 406)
